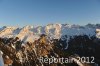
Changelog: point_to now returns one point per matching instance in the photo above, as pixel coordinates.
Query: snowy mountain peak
(30, 33)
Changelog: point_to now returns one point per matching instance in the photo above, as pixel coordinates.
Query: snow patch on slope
(1, 59)
(98, 33)
(7, 32)
(24, 32)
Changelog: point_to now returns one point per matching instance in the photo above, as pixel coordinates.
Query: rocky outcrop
(19, 53)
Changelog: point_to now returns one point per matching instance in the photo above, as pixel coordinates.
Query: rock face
(24, 46)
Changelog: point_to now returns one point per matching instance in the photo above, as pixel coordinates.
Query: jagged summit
(30, 33)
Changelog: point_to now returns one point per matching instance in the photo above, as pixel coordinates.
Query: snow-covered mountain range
(24, 46)
(31, 33)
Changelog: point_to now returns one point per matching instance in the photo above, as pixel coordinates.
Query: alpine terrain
(25, 46)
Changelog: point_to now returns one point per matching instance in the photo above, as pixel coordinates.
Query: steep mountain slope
(7, 32)
(28, 54)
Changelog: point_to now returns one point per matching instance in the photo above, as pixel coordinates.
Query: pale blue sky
(42, 12)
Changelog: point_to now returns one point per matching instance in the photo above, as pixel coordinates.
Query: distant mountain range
(31, 33)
